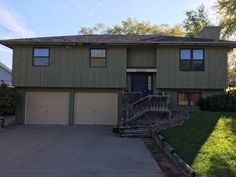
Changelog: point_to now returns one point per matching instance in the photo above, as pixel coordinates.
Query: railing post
(168, 102)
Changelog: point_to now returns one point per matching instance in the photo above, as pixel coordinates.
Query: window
(183, 99)
(98, 57)
(194, 98)
(191, 60)
(40, 56)
(188, 98)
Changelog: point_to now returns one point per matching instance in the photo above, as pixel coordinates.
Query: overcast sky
(33, 18)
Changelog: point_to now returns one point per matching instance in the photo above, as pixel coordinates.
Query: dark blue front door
(141, 82)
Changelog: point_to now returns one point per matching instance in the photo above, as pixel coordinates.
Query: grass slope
(207, 141)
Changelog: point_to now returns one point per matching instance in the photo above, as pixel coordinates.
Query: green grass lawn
(207, 141)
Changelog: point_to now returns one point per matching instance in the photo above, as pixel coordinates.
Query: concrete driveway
(71, 151)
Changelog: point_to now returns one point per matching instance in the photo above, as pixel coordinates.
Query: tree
(227, 10)
(130, 26)
(195, 21)
(133, 26)
(97, 28)
(232, 65)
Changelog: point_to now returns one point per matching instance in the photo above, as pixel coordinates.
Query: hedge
(7, 100)
(224, 102)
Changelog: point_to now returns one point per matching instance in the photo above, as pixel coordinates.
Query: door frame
(148, 75)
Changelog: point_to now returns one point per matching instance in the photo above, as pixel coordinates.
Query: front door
(142, 82)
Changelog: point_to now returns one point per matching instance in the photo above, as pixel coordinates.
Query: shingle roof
(112, 39)
(116, 40)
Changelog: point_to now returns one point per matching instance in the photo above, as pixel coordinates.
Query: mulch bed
(161, 120)
(168, 168)
(177, 118)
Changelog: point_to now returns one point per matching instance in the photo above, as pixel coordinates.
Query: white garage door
(95, 108)
(47, 108)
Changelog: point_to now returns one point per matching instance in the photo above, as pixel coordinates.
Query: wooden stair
(145, 108)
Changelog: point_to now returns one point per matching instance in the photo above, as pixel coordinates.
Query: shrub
(7, 100)
(223, 102)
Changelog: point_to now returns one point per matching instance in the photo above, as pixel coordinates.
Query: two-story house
(80, 79)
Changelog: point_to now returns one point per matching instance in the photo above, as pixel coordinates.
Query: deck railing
(149, 103)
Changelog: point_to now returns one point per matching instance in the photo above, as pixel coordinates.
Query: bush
(7, 100)
(224, 102)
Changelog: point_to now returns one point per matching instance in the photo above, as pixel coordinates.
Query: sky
(38, 18)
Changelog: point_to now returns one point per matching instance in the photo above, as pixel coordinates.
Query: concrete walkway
(71, 151)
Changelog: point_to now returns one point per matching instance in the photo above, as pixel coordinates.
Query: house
(5, 74)
(80, 79)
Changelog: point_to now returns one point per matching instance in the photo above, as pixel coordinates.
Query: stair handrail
(137, 101)
(129, 112)
(144, 99)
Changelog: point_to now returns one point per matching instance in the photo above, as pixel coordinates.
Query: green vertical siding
(169, 75)
(20, 105)
(141, 57)
(174, 96)
(71, 106)
(69, 68)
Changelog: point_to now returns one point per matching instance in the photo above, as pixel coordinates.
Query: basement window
(191, 60)
(40, 56)
(98, 57)
(188, 98)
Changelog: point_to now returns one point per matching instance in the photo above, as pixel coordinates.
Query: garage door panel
(47, 108)
(95, 108)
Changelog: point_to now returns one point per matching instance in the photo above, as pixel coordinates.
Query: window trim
(33, 57)
(189, 101)
(191, 59)
(90, 57)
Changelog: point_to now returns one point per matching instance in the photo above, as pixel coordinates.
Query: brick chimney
(210, 32)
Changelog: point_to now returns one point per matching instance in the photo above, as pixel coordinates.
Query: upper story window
(40, 56)
(98, 57)
(191, 60)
